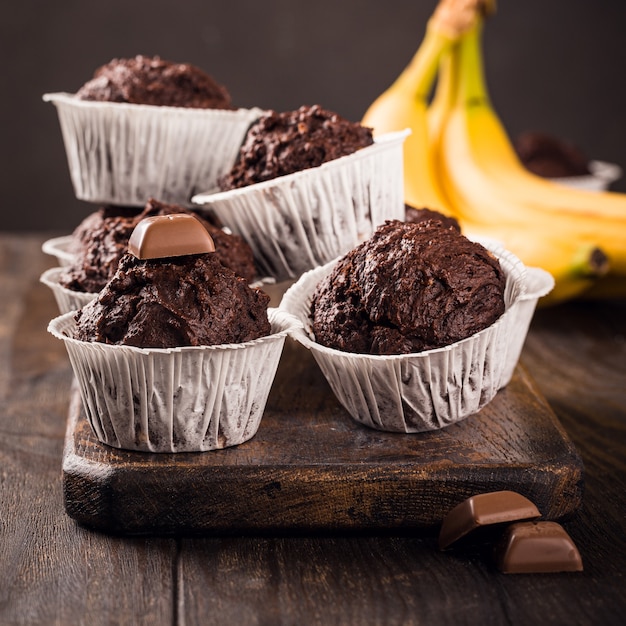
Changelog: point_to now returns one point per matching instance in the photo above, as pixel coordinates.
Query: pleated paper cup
(602, 175)
(302, 220)
(67, 299)
(188, 399)
(60, 248)
(124, 154)
(428, 390)
(538, 283)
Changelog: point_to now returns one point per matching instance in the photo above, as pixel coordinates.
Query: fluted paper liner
(67, 299)
(432, 389)
(538, 283)
(60, 247)
(602, 175)
(120, 153)
(302, 220)
(175, 400)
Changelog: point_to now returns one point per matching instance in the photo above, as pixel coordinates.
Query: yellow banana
(404, 103)
(459, 160)
(575, 264)
(491, 197)
(436, 118)
(500, 161)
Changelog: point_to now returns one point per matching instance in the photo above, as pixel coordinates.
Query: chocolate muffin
(283, 143)
(550, 157)
(409, 288)
(179, 301)
(152, 80)
(101, 239)
(98, 243)
(414, 215)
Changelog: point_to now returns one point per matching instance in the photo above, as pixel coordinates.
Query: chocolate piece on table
(537, 547)
(168, 236)
(485, 509)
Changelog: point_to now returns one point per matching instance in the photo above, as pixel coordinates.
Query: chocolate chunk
(165, 236)
(485, 509)
(537, 547)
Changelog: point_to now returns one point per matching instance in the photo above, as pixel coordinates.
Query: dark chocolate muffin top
(409, 288)
(179, 301)
(101, 239)
(550, 157)
(151, 80)
(98, 243)
(414, 215)
(283, 143)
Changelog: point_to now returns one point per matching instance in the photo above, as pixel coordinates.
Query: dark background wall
(553, 65)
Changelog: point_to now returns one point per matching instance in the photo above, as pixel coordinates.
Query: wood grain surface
(55, 571)
(311, 467)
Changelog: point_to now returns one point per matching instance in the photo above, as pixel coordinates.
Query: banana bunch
(460, 161)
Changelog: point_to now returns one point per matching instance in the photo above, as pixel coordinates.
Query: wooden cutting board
(311, 468)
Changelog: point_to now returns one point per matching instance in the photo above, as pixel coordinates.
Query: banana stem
(488, 7)
(417, 79)
(450, 20)
(471, 83)
(445, 93)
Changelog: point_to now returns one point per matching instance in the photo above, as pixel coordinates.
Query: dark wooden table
(53, 571)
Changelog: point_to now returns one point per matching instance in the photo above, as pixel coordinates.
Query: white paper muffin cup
(600, 179)
(187, 399)
(67, 299)
(429, 390)
(538, 283)
(59, 247)
(302, 220)
(120, 153)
